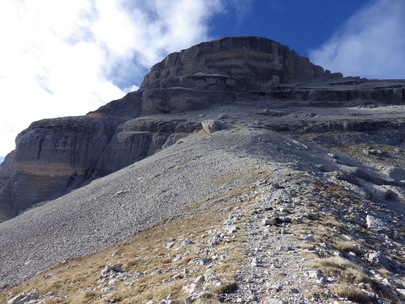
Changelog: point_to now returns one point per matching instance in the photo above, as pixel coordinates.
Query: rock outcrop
(217, 72)
(55, 156)
(52, 157)
(139, 138)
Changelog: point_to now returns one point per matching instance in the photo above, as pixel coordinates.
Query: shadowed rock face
(52, 156)
(55, 156)
(140, 138)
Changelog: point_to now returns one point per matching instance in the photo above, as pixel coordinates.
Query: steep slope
(286, 196)
(239, 171)
(54, 156)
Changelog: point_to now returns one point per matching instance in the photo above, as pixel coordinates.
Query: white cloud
(61, 58)
(240, 9)
(370, 44)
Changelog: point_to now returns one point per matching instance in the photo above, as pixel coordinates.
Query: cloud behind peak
(370, 44)
(62, 58)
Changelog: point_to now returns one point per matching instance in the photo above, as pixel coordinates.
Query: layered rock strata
(217, 72)
(139, 138)
(55, 156)
(52, 156)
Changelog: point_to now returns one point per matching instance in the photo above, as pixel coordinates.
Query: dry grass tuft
(351, 293)
(341, 269)
(347, 246)
(147, 253)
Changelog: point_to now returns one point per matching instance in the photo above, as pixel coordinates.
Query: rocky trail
(238, 173)
(293, 242)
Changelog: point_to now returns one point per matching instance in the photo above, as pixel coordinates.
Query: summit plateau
(239, 172)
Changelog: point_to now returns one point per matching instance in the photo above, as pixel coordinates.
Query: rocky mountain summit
(55, 156)
(239, 172)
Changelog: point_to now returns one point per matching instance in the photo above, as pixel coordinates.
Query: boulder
(396, 173)
(211, 126)
(376, 224)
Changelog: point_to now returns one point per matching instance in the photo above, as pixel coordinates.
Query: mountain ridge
(49, 159)
(306, 175)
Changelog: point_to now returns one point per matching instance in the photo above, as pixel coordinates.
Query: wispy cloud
(370, 44)
(62, 58)
(241, 8)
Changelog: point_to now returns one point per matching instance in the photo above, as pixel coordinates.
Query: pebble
(258, 282)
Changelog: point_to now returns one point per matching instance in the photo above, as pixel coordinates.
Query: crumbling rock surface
(302, 169)
(55, 156)
(226, 61)
(219, 72)
(52, 157)
(140, 138)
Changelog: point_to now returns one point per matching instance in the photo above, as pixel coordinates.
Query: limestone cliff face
(52, 157)
(140, 138)
(252, 60)
(55, 156)
(217, 72)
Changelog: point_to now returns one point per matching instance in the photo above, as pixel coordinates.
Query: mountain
(55, 156)
(238, 172)
(1, 159)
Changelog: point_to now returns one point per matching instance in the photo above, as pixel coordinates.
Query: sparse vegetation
(351, 293)
(147, 253)
(341, 269)
(154, 254)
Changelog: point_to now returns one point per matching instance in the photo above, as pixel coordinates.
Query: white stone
(268, 222)
(211, 126)
(17, 300)
(232, 229)
(376, 224)
(187, 242)
(178, 276)
(115, 267)
(193, 297)
(199, 280)
(107, 289)
(192, 288)
(213, 279)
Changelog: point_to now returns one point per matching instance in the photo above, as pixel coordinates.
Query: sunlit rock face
(221, 71)
(253, 59)
(216, 72)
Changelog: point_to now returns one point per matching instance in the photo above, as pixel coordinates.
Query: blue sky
(300, 24)
(66, 58)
